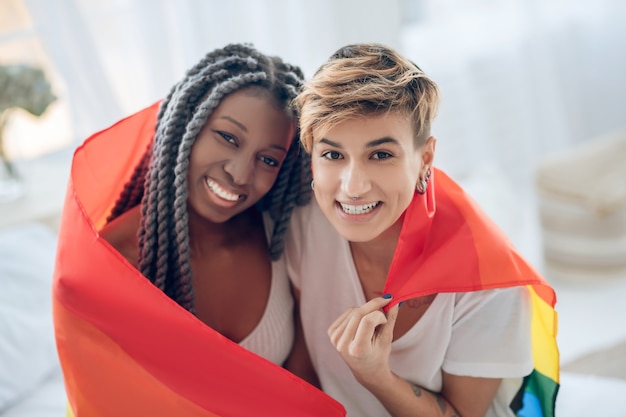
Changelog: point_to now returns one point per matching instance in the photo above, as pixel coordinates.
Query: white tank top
(272, 338)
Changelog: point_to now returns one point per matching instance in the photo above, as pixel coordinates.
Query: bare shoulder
(121, 233)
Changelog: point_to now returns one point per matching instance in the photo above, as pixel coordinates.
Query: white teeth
(222, 193)
(362, 209)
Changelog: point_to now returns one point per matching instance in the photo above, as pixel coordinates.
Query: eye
(381, 155)
(269, 161)
(332, 155)
(228, 138)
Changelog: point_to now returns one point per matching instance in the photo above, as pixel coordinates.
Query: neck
(377, 254)
(206, 236)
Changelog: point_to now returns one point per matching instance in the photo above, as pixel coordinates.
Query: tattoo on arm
(420, 301)
(441, 402)
(417, 390)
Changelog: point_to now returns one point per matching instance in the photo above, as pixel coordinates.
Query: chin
(357, 234)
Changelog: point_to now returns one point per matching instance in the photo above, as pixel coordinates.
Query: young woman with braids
(204, 214)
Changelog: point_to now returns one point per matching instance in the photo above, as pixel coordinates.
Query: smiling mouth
(360, 209)
(221, 192)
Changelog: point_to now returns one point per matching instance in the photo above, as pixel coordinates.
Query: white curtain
(119, 56)
(520, 78)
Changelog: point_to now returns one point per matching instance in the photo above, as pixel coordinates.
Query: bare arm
(299, 361)
(461, 396)
(363, 337)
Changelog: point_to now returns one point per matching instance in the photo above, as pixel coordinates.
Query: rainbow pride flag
(447, 244)
(126, 349)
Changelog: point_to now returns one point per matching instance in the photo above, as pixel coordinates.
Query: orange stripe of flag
(94, 364)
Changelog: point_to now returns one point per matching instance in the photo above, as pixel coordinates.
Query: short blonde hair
(362, 80)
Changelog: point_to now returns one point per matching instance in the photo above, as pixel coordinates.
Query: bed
(31, 383)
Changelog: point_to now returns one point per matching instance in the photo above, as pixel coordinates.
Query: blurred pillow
(582, 206)
(27, 346)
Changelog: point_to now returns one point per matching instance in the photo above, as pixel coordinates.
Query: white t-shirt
(272, 337)
(481, 334)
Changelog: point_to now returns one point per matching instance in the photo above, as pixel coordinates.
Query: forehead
(249, 112)
(253, 105)
(247, 96)
(363, 130)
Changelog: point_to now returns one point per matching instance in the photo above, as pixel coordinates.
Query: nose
(355, 180)
(241, 170)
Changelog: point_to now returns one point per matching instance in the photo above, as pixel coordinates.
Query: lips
(222, 192)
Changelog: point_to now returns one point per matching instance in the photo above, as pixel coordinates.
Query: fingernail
(387, 296)
(400, 305)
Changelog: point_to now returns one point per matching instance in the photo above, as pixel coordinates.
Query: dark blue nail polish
(400, 305)
(387, 296)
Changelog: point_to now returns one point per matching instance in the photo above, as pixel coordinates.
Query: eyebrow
(242, 127)
(370, 144)
(238, 124)
(280, 148)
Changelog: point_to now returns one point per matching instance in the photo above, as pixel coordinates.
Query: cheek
(202, 154)
(324, 177)
(264, 181)
(412, 170)
(402, 181)
(195, 167)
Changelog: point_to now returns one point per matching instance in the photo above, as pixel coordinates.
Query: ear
(428, 153)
